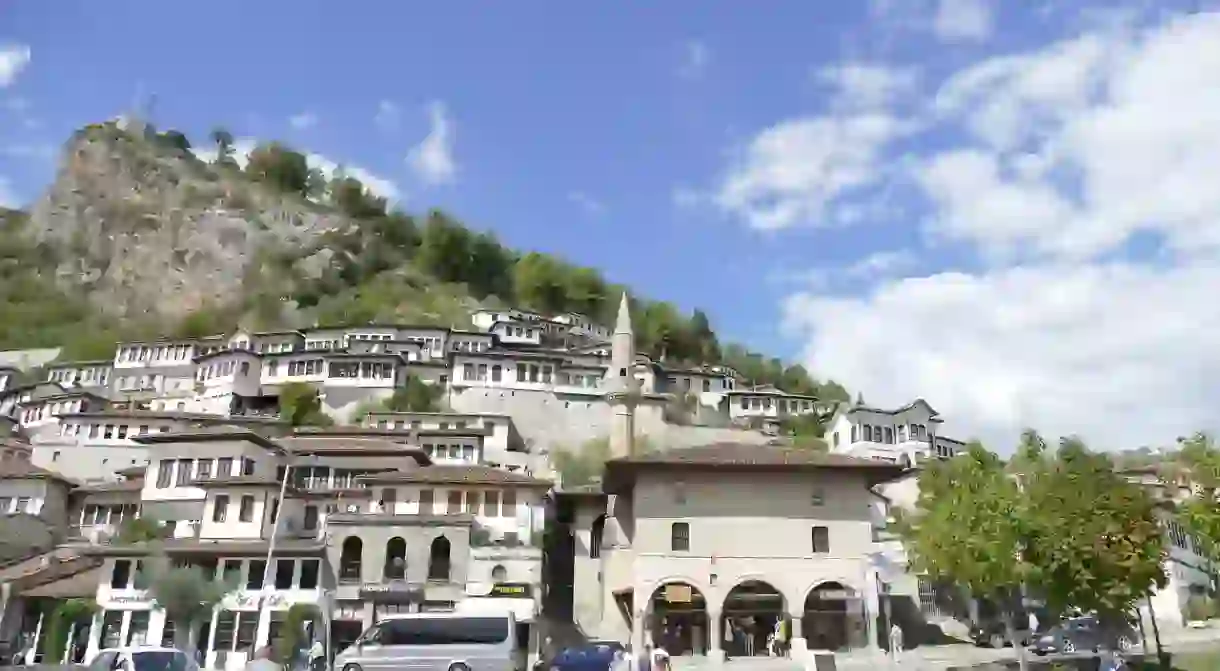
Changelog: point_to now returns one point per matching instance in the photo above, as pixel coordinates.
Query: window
(496, 373)
(818, 497)
(224, 467)
(284, 568)
(231, 572)
(220, 510)
(256, 575)
(491, 503)
(707, 385)
(508, 506)
(120, 578)
(395, 559)
(247, 467)
(165, 473)
(821, 540)
(438, 560)
(350, 559)
(679, 537)
(309, 573)
(205, 469)
(889, 435)
(184, 472)
(499, 573)
(310, 522)
(853, 434)
(468, 371)
(246, 512)
(426, 502)
(455, 502)
(427, 631)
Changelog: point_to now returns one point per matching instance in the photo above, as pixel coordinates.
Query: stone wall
(549, 421)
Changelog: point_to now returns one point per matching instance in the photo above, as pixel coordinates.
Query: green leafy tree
(584, 465)
(280, 167)
(444, 249)
(968, 529)
(1112, 557)
(141, 530)
(1197, 466)
(187, 596)
(175, 140)
(300, 406)
(351, 196)
(60, 626)
(415, 396)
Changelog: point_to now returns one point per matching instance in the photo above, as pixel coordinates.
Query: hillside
(138, 238)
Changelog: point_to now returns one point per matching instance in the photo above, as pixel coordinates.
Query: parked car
(591, 656)
(1085, 633)
(142, 658)
(993, 633)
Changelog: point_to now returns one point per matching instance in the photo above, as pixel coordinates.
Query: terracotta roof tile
(747, 455)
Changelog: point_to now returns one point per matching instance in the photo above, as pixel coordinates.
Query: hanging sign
(514, 590)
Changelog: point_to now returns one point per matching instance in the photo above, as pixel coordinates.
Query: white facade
(904, 435)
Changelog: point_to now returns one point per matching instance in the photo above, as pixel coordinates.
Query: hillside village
(540, 458)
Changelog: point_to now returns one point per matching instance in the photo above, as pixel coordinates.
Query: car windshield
(160, 660)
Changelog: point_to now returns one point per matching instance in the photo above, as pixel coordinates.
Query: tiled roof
(23, 470)
(306, 444)
(458, 475)
(103, 487)
(746, 455)
(283, 546)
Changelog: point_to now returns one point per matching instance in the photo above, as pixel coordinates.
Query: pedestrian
(317, 657)
(895, 641)
(262, 661)
(1033, 622)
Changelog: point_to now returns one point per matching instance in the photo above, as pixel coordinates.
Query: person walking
(317, 657)
(896, 642)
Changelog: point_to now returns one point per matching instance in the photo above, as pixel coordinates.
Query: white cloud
(1078, 182)
(695, 58)
(13, 60)
(388, 116)
(868, 85)
(432, 159)
(378, 185)
(790, 173)
(303, 121)
(587, 203)
(963, 20)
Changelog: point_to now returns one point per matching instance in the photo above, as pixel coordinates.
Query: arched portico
(678, 618)
(751, 614)
(834, 617)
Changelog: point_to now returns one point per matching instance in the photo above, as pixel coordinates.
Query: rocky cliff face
(150, 231)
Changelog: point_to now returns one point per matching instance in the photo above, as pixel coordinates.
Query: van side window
(374, 635)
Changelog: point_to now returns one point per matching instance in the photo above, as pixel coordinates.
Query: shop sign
(512, 590)
(675, 593)
(132, 600)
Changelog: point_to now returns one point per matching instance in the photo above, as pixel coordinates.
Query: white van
(436, 642)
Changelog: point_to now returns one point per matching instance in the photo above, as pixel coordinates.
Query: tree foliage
(1197, 466)
(280, 168)
(142, 529)
(300, 406)
(60, 624)
(415, 396)
(187, 596)
(583, 465)
(1061, 523)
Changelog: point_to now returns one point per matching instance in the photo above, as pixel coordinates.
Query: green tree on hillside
(279, 167)
(300, 406)
(1197, 465)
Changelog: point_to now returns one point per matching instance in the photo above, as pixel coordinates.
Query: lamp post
(264, 613)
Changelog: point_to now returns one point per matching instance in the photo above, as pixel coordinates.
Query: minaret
(623, 387)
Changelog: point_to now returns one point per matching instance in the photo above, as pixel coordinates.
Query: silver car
(436, 642)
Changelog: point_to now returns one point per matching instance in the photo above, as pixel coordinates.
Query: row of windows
(97, 515)
(21, 504)
(246, 574)
(180, 472)
(525, 372)
(109, 431)
(519, 331)
(48, 410)
(679, 538)
(416, 425)
(85, 376)
(685, 384)
(886, 434)
(221, 369)
(134, 353)
(245, 511)
(781, 404)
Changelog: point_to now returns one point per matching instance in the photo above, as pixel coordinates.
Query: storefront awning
(524, 610)
(80, 585)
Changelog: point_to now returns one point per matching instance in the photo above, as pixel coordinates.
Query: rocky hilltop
(138, 237)
(148, 231)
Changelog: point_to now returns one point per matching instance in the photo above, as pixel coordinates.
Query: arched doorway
(752, 610)
(834, 618)
(678, 619)
(438, 559)
(396, 559)
(350, 559)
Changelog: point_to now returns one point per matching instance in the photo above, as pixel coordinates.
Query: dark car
(591, 656)
(993, 633)
(1086, 633)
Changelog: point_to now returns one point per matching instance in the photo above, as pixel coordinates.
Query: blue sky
(886, 190)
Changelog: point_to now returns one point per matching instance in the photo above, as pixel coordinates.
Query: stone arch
(396, 559)
(834, 616)
(677, 616)
(439, 560)
(351, 559)
(751, 612)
